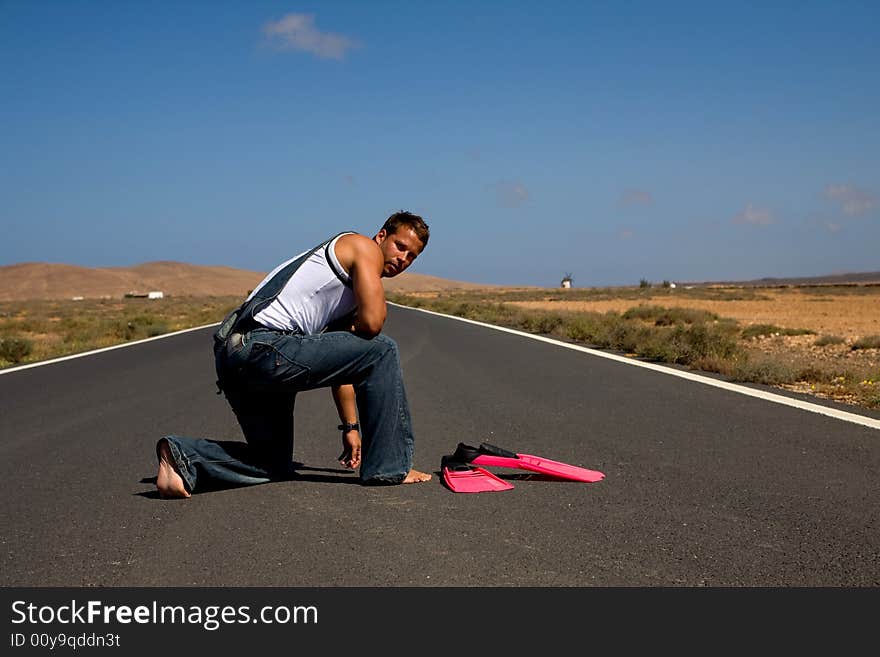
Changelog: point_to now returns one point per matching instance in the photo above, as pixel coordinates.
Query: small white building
(155, 295)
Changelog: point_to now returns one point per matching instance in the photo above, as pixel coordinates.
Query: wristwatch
(348, 426)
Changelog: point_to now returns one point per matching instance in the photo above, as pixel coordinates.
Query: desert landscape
(838, 317)
(849, 313)
(828, 325)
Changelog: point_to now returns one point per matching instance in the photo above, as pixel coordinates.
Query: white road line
(98, 351)
(733, 387)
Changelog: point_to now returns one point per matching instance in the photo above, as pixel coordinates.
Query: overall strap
(242, 319)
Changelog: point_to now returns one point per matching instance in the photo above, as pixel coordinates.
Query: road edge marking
(691, 376)
(9, 370)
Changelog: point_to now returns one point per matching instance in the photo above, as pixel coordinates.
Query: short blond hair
(409, 220)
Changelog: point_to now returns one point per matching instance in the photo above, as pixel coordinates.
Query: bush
(763, 371)
(584, 329)
(14, 349)
(868, 342)
(688, 344)
(826, 340)
(814, 374)
(771, 329)
(140, 326)
(623, 336)
(662, 316)
(542, 323)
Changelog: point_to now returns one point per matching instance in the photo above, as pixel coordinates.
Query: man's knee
(385, 346)
(386, 342)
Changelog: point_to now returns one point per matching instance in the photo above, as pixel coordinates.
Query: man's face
(399, 249)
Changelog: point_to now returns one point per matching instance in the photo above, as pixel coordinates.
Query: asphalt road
(703, 486)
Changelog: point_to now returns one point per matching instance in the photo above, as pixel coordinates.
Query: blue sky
(614, 141)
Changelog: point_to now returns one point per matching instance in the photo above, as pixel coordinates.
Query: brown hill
(38, 280)
(413, 282)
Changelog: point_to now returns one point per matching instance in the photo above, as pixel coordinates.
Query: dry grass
(832, 311)
(823, 340)
(42, 329)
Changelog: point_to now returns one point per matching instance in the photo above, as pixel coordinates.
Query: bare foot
(416, 477)
(168, 480)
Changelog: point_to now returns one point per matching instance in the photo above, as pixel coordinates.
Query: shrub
(814, 374)
(662, 316)
(584, 329)
(14, 349)
(868, 342)
(717, 364)
(542, 323)
(826, 340)
(624, 336)
(643, 312)
(684, 316)
(688, 344)
(140, 326)
(771, 329)
(764, 371)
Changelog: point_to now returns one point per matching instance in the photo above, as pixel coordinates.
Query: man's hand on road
(351, 449)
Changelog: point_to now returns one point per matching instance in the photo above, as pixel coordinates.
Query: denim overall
(260, 370)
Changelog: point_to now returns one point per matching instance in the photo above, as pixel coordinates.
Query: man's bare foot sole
(416, 477)
(168, 480)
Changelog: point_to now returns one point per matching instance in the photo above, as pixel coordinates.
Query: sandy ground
(847, 316)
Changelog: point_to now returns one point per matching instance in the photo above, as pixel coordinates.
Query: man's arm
(344, 398)
(363, 260)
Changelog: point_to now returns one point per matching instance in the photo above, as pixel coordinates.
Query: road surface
(703, 486)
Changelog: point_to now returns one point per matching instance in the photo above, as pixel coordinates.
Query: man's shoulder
(356, 242)
(350, 235)
(354, 246)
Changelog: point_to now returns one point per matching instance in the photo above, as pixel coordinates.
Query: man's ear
(380, 236)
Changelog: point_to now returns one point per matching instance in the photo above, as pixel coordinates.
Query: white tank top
(318, 293)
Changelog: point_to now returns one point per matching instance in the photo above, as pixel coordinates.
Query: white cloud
(853, 201)
(510, 194)
(754, 216)
(631, 197)
(298, 32)
(822, 223)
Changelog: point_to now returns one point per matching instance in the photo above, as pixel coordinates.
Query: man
(315, 321)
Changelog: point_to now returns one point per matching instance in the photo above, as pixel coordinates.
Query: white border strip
(733, 387)
(98, 351)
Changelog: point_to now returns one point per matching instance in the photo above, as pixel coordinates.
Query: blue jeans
(260, 376)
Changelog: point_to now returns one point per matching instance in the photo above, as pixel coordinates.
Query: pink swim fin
(490, 455)
(463, 478)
